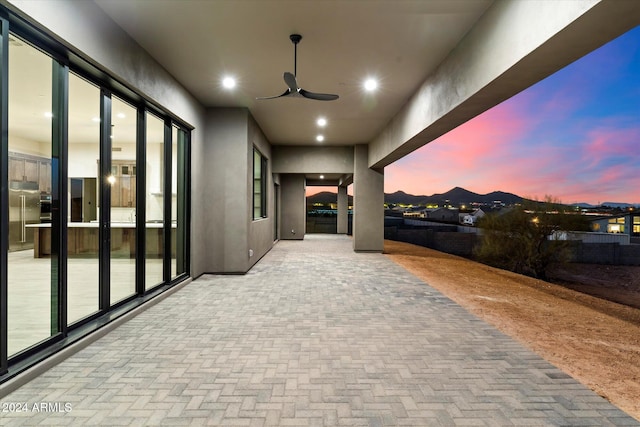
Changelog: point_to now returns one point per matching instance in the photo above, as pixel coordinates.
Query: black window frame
(261, 183)
(67, 60)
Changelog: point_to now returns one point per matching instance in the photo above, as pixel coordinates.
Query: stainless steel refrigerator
(24, 208)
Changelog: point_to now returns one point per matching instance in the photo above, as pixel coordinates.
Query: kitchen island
(83, 239)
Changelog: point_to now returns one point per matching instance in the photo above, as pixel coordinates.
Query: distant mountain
(326, 197)
(619, 205)
(455, 196)
(607, 204)
(404, 198)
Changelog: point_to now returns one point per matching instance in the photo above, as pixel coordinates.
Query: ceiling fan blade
(290, 80)
(318, 96)
(286, 93)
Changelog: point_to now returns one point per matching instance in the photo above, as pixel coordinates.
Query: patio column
(368, 203)
(343, 210)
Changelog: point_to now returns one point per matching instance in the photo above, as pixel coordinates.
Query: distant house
(413, 212)
(471, 218)
(626, 223)
(422, 212)
(442, 214)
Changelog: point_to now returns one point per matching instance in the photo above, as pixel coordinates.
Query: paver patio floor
(313, 335)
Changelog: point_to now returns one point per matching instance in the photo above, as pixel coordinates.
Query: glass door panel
(154, 236)
(123, 200)
(31, 286)
(178, 202)
(174, 201)
(82, 231)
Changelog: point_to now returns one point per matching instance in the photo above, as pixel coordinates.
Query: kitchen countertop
(95, 225)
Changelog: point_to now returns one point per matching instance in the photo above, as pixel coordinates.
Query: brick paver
(313, 335)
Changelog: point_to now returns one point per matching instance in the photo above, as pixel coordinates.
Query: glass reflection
(31, 290)
(154, 199)
(82, 231)
(123, 200)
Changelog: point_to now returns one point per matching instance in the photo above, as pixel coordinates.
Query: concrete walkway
(313, 335)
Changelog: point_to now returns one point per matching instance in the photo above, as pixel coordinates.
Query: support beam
(293, 211)
(514, 45)
(368, 204)
(343, 211)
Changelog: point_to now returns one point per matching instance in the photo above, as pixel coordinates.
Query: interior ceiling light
(320, 138)
(321, 176)
(121, 115)
(228, 82)
(370, 84)
(322, 122)
(48, 115)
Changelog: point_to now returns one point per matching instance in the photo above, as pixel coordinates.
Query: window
(259, 185)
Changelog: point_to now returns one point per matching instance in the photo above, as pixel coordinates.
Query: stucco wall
(225, 204)
(293, 212)
(288, 159)
(368, 204)
(260, 231)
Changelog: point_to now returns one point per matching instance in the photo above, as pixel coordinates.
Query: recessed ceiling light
(320, 138)
(322, 122)
(228, 82)
(370, 84)
(321, 176)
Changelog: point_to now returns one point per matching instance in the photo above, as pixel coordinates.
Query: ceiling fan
(290, 79)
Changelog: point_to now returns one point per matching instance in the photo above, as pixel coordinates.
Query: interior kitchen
(33, 167)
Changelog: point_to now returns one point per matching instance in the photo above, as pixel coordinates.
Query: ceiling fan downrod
(295, 39)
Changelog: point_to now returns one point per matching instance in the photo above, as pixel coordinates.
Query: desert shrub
(517, 240)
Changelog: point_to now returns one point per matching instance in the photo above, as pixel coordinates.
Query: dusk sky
(574, 135)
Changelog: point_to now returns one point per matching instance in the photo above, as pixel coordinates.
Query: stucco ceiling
(400, 42)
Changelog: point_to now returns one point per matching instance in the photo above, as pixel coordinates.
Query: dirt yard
(594, 340)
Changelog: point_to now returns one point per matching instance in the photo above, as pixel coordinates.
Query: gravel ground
(593, 339)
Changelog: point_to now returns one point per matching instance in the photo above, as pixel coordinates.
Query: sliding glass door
(32, 284)
(83, 195)
(178, 202)
(154, 202)
(95, 212)
(123, 213)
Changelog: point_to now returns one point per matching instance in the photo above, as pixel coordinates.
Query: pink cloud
(607, 141)
(574, 136)
(485, 143)
(511, 148)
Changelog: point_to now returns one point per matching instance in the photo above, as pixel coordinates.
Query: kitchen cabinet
(16, 170)
(22, 169)
(44, 176)
(34, 170)
(123, 190)
(31, 170)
